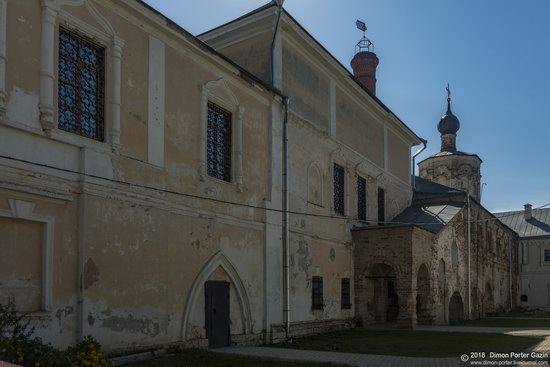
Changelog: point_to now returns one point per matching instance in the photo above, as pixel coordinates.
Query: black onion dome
(449, 123)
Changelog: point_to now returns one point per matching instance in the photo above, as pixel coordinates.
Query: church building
(239, 187)
(445, 258)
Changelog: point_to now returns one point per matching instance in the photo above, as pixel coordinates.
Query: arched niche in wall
(217, 268)
(454, 255)
(314, 185)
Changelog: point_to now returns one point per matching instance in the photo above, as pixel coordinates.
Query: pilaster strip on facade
(116, 65)
(50, 12)
(239, 148)
(155, 121)
(3, 58)
(202, 133)
(332, 108)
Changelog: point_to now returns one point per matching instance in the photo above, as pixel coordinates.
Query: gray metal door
(217, 313)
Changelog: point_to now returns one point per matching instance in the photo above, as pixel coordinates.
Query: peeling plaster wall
(141, 250)
(311, 257)
(321, 245)
(21, 263)
(143, 303)
(330, 121)
(58, 324)
(23, 63)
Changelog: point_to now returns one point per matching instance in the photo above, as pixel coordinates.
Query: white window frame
(54, 16)
(218, 92)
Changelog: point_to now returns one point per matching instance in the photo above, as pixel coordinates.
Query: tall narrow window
(392, 293)
(546, 255)
(317, 302)
(81, 85)
(381, 206)
(361, 198)
(219, 142)
(346, 294)
(338, 184)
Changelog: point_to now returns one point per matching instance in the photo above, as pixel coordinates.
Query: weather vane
(364, 43)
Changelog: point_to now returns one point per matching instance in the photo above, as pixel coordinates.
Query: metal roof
(431, 216)
(538, 225)
(426, 188)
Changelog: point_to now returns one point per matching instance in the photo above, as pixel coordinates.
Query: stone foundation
(307, 328)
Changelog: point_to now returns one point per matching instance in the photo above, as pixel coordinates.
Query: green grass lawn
(202, 358)
(411, 343)
(510, 322)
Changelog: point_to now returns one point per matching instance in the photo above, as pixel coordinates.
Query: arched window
(523, 298)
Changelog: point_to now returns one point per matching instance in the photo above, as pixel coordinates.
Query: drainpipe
(82, 222)
(424, 145)
(469, 262)
(272, 50)
(286, 231)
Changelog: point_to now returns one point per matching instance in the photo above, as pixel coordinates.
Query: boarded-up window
(21, 263)
(317, 302)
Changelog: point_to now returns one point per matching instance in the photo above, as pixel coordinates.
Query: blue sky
(494, 53)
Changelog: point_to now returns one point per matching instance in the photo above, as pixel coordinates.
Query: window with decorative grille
(317, 302)
(338, 184)
(219, 142)
(346, 294)
(381, 206)
(361, 198)
(81, 85)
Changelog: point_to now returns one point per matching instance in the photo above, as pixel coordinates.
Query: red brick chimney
(364, 65)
